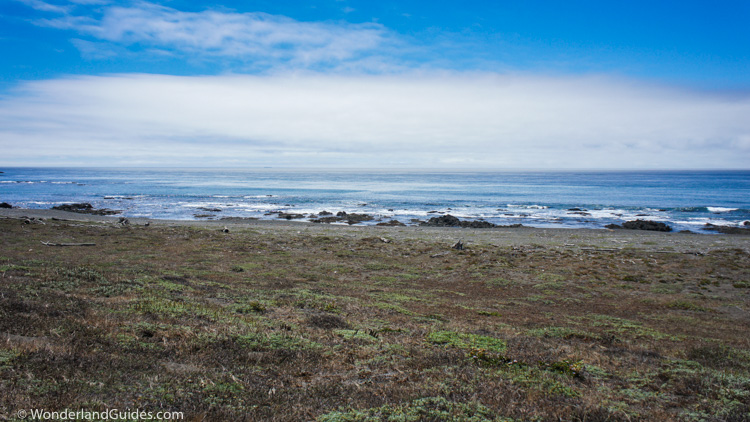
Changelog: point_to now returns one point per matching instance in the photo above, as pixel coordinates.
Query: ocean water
(686, 200)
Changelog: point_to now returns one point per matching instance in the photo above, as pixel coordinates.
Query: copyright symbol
(22, 414)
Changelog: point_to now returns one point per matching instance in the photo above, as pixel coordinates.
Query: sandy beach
(284, 320)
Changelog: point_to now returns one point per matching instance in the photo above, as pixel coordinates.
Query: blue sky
(344, 83)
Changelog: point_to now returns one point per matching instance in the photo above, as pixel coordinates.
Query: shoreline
(563, 238)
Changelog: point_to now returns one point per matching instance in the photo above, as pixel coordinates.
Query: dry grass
(288, 326)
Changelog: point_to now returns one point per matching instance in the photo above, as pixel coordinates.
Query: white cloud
(263, 39)
(422, 120)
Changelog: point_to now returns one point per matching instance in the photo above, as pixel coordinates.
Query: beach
(242, 319)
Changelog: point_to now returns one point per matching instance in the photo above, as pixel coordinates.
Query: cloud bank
(407, 120)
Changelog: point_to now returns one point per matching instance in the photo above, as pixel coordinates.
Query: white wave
(720, 209)
(529, 207)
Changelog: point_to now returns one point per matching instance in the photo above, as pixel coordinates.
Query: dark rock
(746, 223)
(85, 208)
(511, 226)
(324, 213)
(614, 226)
(290, 216)
(358, 218)
(727, 229)
(477, 224)
(584, 213)
(575, 209)
(391, 223)
(77, 207)
(210, 209)
(451, 221)
(443, 221)
(352, 218)
(5, 205)
(326, 220)
(646, 225)
(432, 212)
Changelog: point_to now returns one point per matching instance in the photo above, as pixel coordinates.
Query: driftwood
(68, 244)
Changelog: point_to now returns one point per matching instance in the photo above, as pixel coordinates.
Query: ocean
(686, 200)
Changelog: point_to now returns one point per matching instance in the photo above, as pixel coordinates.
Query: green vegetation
(337, 325)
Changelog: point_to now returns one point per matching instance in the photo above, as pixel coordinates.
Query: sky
(375, 84)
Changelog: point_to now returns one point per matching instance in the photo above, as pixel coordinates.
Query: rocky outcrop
(395, 223)
(85, 208)
(5, 205)
(727, 229)
(451, 221)
(649, 225)
(344, 217)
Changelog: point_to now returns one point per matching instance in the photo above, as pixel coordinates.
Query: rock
(5, 205)
(324, 213)
(85, 208)
(77, 207)
(391, 223)
(511, 226)
(727, 229)
(343, 216)
(614, 226)
(443, 221)
(646, 225)
(326, 220)
(584, 213)
(451, 221)
(225, 230)
(477, 224)
(746, 223)
(290, 216)
(210, 209)
(575, 209)
(358, 218)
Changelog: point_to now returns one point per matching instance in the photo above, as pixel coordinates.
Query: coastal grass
(286, 325)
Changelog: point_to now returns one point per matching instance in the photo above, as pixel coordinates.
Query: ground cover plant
(358, 325)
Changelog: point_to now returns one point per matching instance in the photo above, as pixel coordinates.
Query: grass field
(358, 325)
